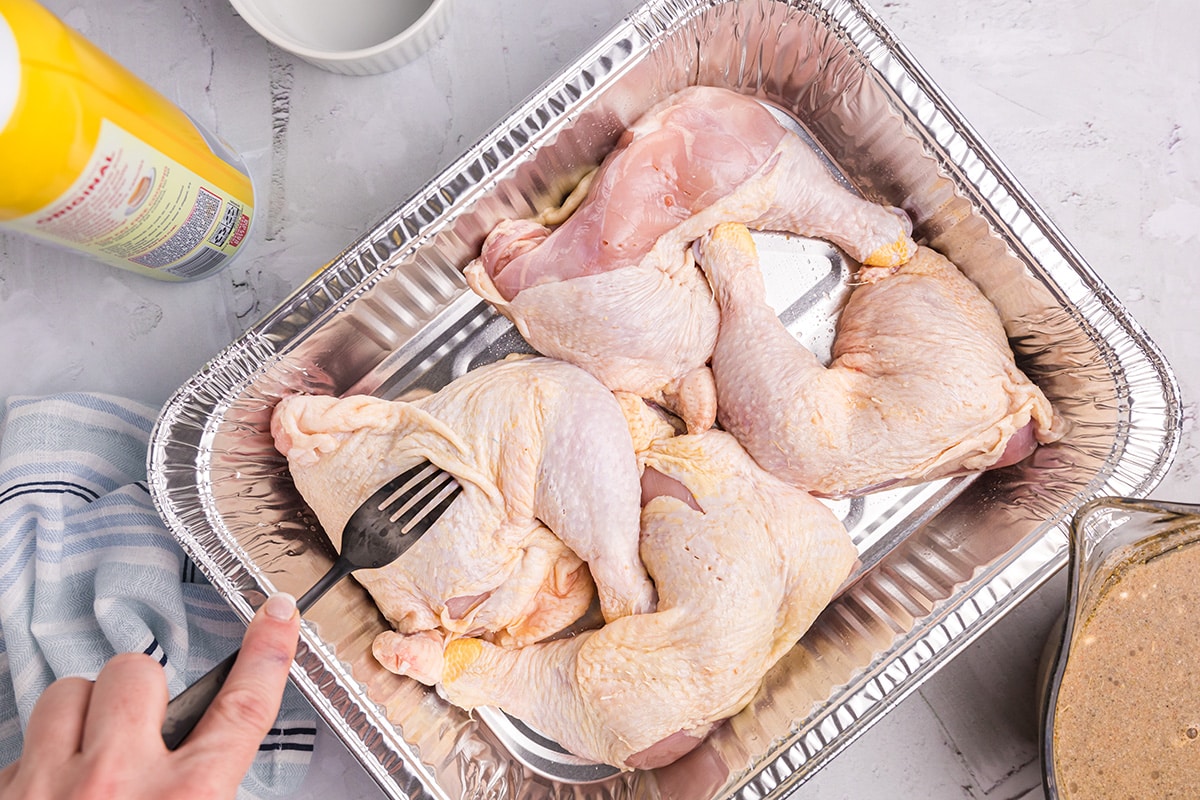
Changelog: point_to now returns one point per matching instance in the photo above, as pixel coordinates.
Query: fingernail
(280, 606)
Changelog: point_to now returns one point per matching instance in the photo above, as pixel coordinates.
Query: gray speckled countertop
(1093, 104)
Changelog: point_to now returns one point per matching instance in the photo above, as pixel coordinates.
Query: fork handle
(340, 569)
(186, 708)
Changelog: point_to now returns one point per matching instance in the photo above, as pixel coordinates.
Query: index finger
(244, 710)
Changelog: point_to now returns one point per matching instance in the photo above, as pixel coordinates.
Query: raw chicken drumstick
(614, 289)
(922, 384)
(549, 477)
(743, 564)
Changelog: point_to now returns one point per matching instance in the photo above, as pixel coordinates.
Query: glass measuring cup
(1109, 538)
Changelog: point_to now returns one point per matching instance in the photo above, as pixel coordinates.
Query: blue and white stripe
(88, 570)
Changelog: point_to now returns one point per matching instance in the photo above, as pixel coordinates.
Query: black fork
(383, 528)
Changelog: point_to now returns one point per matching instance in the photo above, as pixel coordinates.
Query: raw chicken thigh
(922, 384)
(550, 481)
(743, 564)
(614, 288)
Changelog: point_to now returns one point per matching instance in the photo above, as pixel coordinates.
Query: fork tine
(415, 495)
(421, 518)
(408, 482)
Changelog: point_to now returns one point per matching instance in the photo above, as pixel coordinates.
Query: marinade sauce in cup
(1121, 707)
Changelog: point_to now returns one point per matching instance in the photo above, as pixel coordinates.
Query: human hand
(104, 739)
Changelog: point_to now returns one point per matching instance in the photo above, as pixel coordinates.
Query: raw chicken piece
(614, 289)
(743, 564)
(549, 477)
(922, 384)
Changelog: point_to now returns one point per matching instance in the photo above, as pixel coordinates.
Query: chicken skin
(614, 288)
(922, 384)
(743, 564)
(550, 499)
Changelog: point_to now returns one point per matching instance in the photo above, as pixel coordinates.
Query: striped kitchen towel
(87, 570)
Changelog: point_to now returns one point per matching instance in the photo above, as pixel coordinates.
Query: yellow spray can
(93, 158)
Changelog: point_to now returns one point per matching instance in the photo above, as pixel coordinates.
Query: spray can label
(132, 206)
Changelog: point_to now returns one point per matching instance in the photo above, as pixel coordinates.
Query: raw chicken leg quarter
(923, 383)
(743, 566)
(550, 501)
(614, 288)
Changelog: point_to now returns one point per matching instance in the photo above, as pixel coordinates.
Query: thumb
(244, 710)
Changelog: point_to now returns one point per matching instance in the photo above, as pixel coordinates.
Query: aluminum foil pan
(941, 562)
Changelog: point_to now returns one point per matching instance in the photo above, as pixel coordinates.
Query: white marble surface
(1093, 104)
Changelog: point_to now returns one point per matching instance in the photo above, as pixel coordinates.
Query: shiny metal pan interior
(940, 562)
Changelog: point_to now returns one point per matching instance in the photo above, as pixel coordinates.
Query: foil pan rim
(192, 414)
